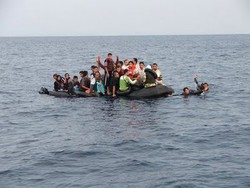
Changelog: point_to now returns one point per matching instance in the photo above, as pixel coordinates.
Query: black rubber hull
(152, 92)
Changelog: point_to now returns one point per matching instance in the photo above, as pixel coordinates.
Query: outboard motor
(43, 91)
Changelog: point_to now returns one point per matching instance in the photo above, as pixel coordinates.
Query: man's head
(110, 56)
(126, 62)
(120, 63)
(81, 74)
(186, 91)
(155, 66)
(204, 86)
(116, 74)
(141, 65)
(75, 78)
(59, 78)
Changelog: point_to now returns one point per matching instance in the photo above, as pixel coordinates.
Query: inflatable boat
(150, 92)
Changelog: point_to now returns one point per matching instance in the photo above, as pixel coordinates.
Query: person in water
(204, 87)
(125, 81)
(187, 92)
(84, 82)
(114, 84)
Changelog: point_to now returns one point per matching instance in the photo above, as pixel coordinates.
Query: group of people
(119, 76)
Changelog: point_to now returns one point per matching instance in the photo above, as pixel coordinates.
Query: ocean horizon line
(142, 35)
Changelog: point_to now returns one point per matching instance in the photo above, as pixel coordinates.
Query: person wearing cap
(125, 81)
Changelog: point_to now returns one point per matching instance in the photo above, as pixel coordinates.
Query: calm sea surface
(102, 142)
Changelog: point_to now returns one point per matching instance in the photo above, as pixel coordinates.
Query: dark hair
(121, 62)
(85, 73)
(75, 77)
(155, 64)
(125, 60)
(202, 85)
(66, 74)
(81, 72)
(54, 75)
(93, 66)
(125, 71)
(135, 59)
(142, 63)
(185, 89)
(130, 62)
(109, 54)
(135, 75)
(115, 72)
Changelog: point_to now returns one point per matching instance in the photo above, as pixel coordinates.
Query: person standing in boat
(109, 66)
(141, 71)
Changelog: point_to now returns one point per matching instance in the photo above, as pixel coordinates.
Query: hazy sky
(123, 17)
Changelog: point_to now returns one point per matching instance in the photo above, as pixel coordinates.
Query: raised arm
(98, 61)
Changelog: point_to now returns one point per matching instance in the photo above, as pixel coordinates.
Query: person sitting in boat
(131, 69)
(58, 84)
(158, 72)
(66, 82)
(84, 82)
(99, 86)
(204, 87)
(73, 86)
(114, 84)
(136, 65)
(151, 77)
(125, 64)
(119, 70)
(125, 81)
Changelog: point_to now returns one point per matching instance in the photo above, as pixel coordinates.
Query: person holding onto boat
(187, 92)
(125, 81)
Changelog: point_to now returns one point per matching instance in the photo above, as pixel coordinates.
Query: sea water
(199, 141)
